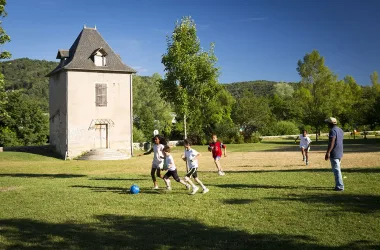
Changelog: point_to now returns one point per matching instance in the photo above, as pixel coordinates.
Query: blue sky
(254, 40)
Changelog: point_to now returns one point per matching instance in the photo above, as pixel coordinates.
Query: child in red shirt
(216, 148)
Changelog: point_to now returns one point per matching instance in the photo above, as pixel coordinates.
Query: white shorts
(305, 147)
(158, 166)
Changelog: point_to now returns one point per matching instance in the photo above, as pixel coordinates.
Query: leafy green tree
(319, 94)
(375, 81)
(371, 102)
(3, 100)
(26, 121)
(4, 38)
(190, 81)
(150, 112)
(283, 90)
(351, 114)
(283, 105)
(251, 113)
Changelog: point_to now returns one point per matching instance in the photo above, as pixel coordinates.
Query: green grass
(46, 203)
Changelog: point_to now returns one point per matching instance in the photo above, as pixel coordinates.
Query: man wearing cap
(335, 151)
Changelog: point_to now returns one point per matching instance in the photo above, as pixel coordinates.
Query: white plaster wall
(58, 111)
(82, 111)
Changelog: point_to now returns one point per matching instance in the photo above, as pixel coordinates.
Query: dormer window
(99, 57)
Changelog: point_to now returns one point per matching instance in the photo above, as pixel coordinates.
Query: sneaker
(205, 190)
(156, 187)
(303, 159)
(169, 188)
(188, 187)
(195, 189)
(307, 163)
(221, 173)
(338, 189)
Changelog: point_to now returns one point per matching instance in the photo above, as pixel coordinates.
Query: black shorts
(172, 173)
(192, 172)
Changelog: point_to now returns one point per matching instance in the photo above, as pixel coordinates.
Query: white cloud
(140, 69)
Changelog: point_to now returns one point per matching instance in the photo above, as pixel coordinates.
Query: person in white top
(172, 170)
(304, 145)
(191, 157)
(158, 161)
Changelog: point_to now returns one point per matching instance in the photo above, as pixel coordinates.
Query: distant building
(90, 98)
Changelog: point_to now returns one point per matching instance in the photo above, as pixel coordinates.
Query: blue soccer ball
(134, 189)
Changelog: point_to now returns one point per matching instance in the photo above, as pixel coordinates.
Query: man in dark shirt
(335, 151)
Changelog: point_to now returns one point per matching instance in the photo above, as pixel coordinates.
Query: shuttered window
(101, 94)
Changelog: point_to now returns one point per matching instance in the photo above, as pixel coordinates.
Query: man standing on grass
(335, 151)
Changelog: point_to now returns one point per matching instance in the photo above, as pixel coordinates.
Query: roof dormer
(99, 57)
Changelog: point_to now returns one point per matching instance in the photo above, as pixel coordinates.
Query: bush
(8, 138)
(138, 135)
(237, 139)
(286, 128)
(197, 138)
(255, 138)
(280, 128)
(228, 133)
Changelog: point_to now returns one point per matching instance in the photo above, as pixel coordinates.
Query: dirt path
(250, 161)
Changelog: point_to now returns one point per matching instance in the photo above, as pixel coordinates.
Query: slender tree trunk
(184, 123)
(316, 134)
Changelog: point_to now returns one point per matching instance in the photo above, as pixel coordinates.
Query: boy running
(172, 170)
(216, 148)
(191, 156)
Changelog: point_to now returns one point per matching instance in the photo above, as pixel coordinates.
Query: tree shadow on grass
(117, 179)
(52, 176)
(119, 232)
(117, 190)
(238, 201)
(346, 202)
(44, 150)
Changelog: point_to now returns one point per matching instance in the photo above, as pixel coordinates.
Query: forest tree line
(250, 109)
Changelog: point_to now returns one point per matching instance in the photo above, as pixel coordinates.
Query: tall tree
(375, 81)
(4, 38)
(372, 101)
(352, 113)
(191, 78)
(251, 113)
(150, 112)
(283, 105)
(318, 93)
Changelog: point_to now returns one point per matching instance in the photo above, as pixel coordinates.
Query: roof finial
(84, 26)
(95, 27)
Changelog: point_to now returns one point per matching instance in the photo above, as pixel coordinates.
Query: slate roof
(62, 53)
(79, 55)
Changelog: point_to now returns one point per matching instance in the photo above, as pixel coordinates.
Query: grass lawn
(47, 203)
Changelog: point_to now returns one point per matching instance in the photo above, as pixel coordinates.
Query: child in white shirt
(191, 156)
(304, 145)
(172, 170)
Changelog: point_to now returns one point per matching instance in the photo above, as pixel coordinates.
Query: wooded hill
(29, 76)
